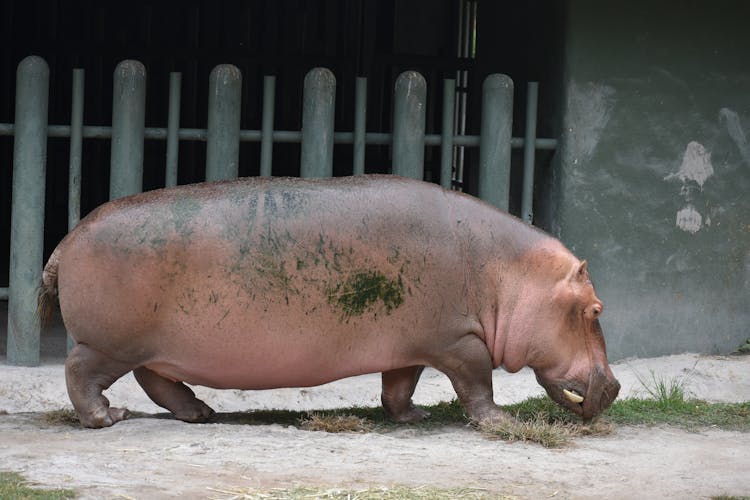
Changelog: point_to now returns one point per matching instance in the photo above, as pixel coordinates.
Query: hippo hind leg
(174, 396)
(398, 388)
(88, 372)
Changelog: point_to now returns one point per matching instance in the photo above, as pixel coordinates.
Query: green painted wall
(652, 180)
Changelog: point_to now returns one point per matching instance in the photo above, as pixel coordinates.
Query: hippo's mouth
(586, 399)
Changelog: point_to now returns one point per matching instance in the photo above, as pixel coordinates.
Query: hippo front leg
(468, 365)
(88, 372)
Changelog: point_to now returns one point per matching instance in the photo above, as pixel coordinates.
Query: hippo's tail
(47, 293)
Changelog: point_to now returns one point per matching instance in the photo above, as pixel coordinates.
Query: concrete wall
(652, 180)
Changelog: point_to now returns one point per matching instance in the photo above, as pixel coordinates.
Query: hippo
(261, 283)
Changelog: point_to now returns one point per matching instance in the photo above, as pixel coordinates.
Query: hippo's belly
(286, 352)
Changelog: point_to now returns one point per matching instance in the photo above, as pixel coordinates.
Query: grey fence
(223, 136)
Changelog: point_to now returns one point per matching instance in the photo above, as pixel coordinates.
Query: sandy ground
(158, 457)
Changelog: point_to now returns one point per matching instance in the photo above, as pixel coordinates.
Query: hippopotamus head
(566, 347)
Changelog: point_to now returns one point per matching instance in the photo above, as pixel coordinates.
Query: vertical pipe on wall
(223, 134)
(529, 153)
(173, 127)
(409, 125)
(446, 144)
(319, 100)
(128, 123)
(360, 124)
(266, 137)
(494, 141)
(27, 210)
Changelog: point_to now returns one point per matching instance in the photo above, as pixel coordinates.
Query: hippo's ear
(582, 274)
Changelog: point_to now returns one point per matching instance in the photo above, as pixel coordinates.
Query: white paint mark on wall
(696, 165)
(589, 108)
(689, 219)
(734, 129)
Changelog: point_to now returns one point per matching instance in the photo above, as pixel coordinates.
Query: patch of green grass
(541, 406)
(729, 497)
(688, 414)
(667, 392)
(386, 493)
(669, 404)
(14, 487)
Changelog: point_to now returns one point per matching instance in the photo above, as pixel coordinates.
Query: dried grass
(336, 423)
(540, 430)
(60, 417)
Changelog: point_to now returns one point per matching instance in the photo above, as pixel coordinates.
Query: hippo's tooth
(573, 396)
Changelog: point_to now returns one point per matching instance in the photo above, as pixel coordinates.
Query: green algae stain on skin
(364, 291)
(184, 211)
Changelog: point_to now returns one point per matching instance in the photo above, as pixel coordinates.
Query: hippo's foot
(103, 418)
(87, 373)
(174, 396)
(490, 416)
(410, 415)
(398, 388)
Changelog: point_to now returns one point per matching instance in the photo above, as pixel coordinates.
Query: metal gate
(223, 136)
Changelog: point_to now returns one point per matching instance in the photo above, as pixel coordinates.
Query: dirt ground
(158, 457)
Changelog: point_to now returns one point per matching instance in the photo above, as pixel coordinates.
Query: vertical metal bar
(319, 100)
(529, 152)
(360, 124)
(76, 149)
(494, 140)
(223, 134)
(266, 137)
(128, 123)
(409, 125)
(446, 144)
(27, 210)
(173, 127)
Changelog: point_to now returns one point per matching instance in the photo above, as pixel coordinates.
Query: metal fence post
(318, 105)
(266, 138)
(529, 153)
(409, 125)
(446, 145)
(76, 151)
(360, 125)
(494, 141)
(128, 123)
(27, 212)
(173, 126)
(223, 134)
